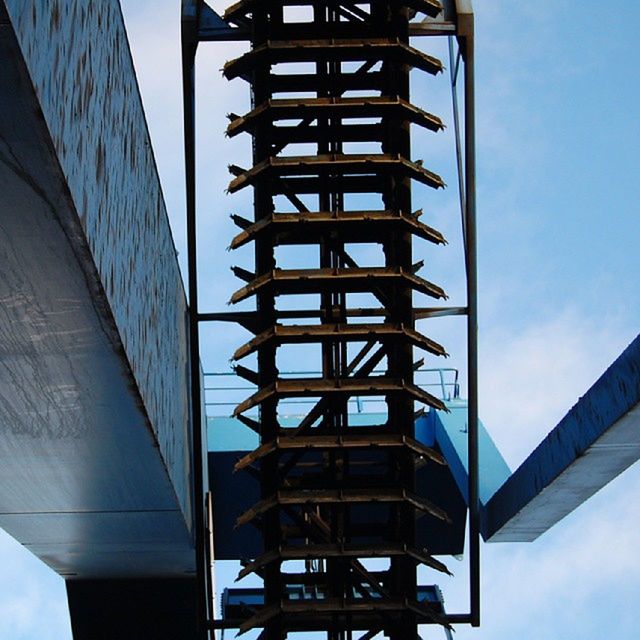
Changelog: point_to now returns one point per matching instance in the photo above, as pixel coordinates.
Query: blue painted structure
(95, 455)
(597, 440)
(449, 431)
(229, 440)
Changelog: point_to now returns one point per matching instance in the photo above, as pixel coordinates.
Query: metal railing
(225, 389)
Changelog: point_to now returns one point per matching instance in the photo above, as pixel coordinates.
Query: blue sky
(558, 223)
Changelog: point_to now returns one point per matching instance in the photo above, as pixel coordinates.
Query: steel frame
(319, 501)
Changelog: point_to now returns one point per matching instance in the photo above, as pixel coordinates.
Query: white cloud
(575, 581)
(33, 601)
(532, 375)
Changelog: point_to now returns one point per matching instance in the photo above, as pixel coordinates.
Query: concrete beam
(595, 442)
(95, 456)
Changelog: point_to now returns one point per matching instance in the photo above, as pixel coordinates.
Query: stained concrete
(95, 456)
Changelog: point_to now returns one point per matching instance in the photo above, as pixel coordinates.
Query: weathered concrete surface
(94, 444)
(595, 442)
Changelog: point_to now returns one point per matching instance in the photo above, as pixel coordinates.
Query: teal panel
(450, 432)
(229, 434)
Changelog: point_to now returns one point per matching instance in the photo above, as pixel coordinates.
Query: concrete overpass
(95, 455)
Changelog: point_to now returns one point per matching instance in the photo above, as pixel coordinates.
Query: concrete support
(95, 455)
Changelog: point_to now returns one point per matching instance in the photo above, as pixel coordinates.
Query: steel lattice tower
(334, 494)
(312, 512)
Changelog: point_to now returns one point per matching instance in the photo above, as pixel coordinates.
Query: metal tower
(334, 494)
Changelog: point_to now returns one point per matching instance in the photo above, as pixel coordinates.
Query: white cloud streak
(531, 376)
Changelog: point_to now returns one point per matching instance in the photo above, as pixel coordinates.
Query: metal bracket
(213, 28)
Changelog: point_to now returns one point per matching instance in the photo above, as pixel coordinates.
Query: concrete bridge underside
(95, 456)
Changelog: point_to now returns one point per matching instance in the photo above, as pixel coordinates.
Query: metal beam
(309, 334)
(595, 442)
(354, 226)
(291, 281)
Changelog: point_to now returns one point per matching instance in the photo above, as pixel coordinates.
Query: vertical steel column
(190, 16)
(399, 252)
(472, 327)
(263, 14)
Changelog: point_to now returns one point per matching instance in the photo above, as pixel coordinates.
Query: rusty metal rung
(351, 441)
(350, 280)
(346, 387)
(346, 550)
(308, 334)
(335, 164)
(313, 108)
(299, 497)
(334, 607)
(355, 226)
(279, 51)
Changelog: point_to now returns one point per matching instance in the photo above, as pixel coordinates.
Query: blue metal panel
(592, 444)
(449, 431)
(233, 493)
(229, 434)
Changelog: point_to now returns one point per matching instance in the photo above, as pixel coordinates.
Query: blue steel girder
(596, 441)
